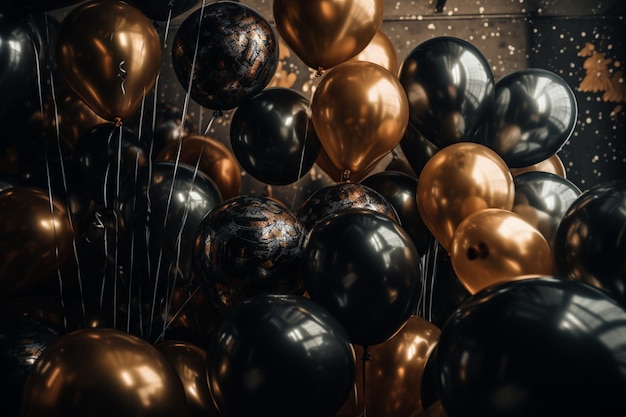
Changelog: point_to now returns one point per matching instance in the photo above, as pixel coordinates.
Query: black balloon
(341, 196)
(7, 181)
(38, 6)
(590, 243)
(450, 85)
(273, 138)
(280, 355)
(236, 57)
(246, 246)
(400, 191)
(364, 268)
(164, 10)
(544, 346)
(417, 149)
(533, 114)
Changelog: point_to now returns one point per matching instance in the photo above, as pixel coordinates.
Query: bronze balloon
(213, 158)
(458, 180)
(325, 33)
(393, 374)
(495, 246)
(334, 173)
(380, 51)
(35, 239)
(103, 372)
(360, 113)
(109, 53)
(553, 165)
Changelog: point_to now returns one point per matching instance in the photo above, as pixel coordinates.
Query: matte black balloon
(533, 114)
(280, 355)
(450, 86)
(540, 347)
(400, 191)
(246, 246)
(542, 199)
(164, 10)
(236, 57)
(341, 196)
(22, 340)
(417, 149)
(364, 268)
(590, 243)
(273, 138)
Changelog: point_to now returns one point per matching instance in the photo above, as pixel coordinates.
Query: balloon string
(301, 163)
(167, 28)
(367, 356)
(432, 281)
(216, 114)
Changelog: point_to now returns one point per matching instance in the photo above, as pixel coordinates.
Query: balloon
(553, 165)
(190, 362)
(393, 374)
(245, 246)
(542, 198)
(459, 180)
(103, 372)
(273, 138)
(35, 239)
(536, 347)
(494, 246)
(213, 158)
(380, 51)
(8, 181)
(22, 340)
(109, 53)
(417, 149)
(327, 33)
(450, 86)
(228, 51)
(294, 351)
(164, 10)
(364, 268)
(590, 244)
(342, 196)
(400, 190)
(360, 113)
(336, 175)
(532, 116)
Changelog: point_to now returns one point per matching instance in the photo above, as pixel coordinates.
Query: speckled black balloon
(236, 57)
(246, 246)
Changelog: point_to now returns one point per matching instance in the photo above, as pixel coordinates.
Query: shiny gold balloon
(393, 375)
(109, 53)
(495, 246)
(190, 362)
(335, 174)
(553, 165)
(360, 113)
(35, 239)
(103, 372)
(325, 33)
(216, 161)
(380, 51)
(458, 180)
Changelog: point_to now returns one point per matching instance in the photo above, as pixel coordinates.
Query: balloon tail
(216, 114)
(320, 71)
(345, 176)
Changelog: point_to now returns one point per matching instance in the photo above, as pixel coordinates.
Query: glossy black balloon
(236, 57)
(246, 246)
(590, 243)
(542, 199)
(22, 340)
(450, 85)
(273, 138)
(293, 351)
(107, 157)
(364, 268)
(164, 10)
(533, 114)
(400, 191)
(341, 196)
(539, 347)
(417, 149)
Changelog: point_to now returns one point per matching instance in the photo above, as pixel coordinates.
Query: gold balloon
(325, 33)
(335, 174)
(360, 113)
(216, 161)
(103, 372)
(495, 246)
(394, 372)
(109, 53)
(553, 165)
(380, 51)
(190, 363)
(35, 239)
(459, 180)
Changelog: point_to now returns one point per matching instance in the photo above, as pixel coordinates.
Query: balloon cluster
(138, 277)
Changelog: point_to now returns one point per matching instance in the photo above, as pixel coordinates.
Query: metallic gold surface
(553, 165)
(380, 51)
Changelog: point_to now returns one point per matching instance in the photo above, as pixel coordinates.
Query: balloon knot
(346, 175)
(367, 356)
(218, 113)
(118, 122)
(320, 71)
